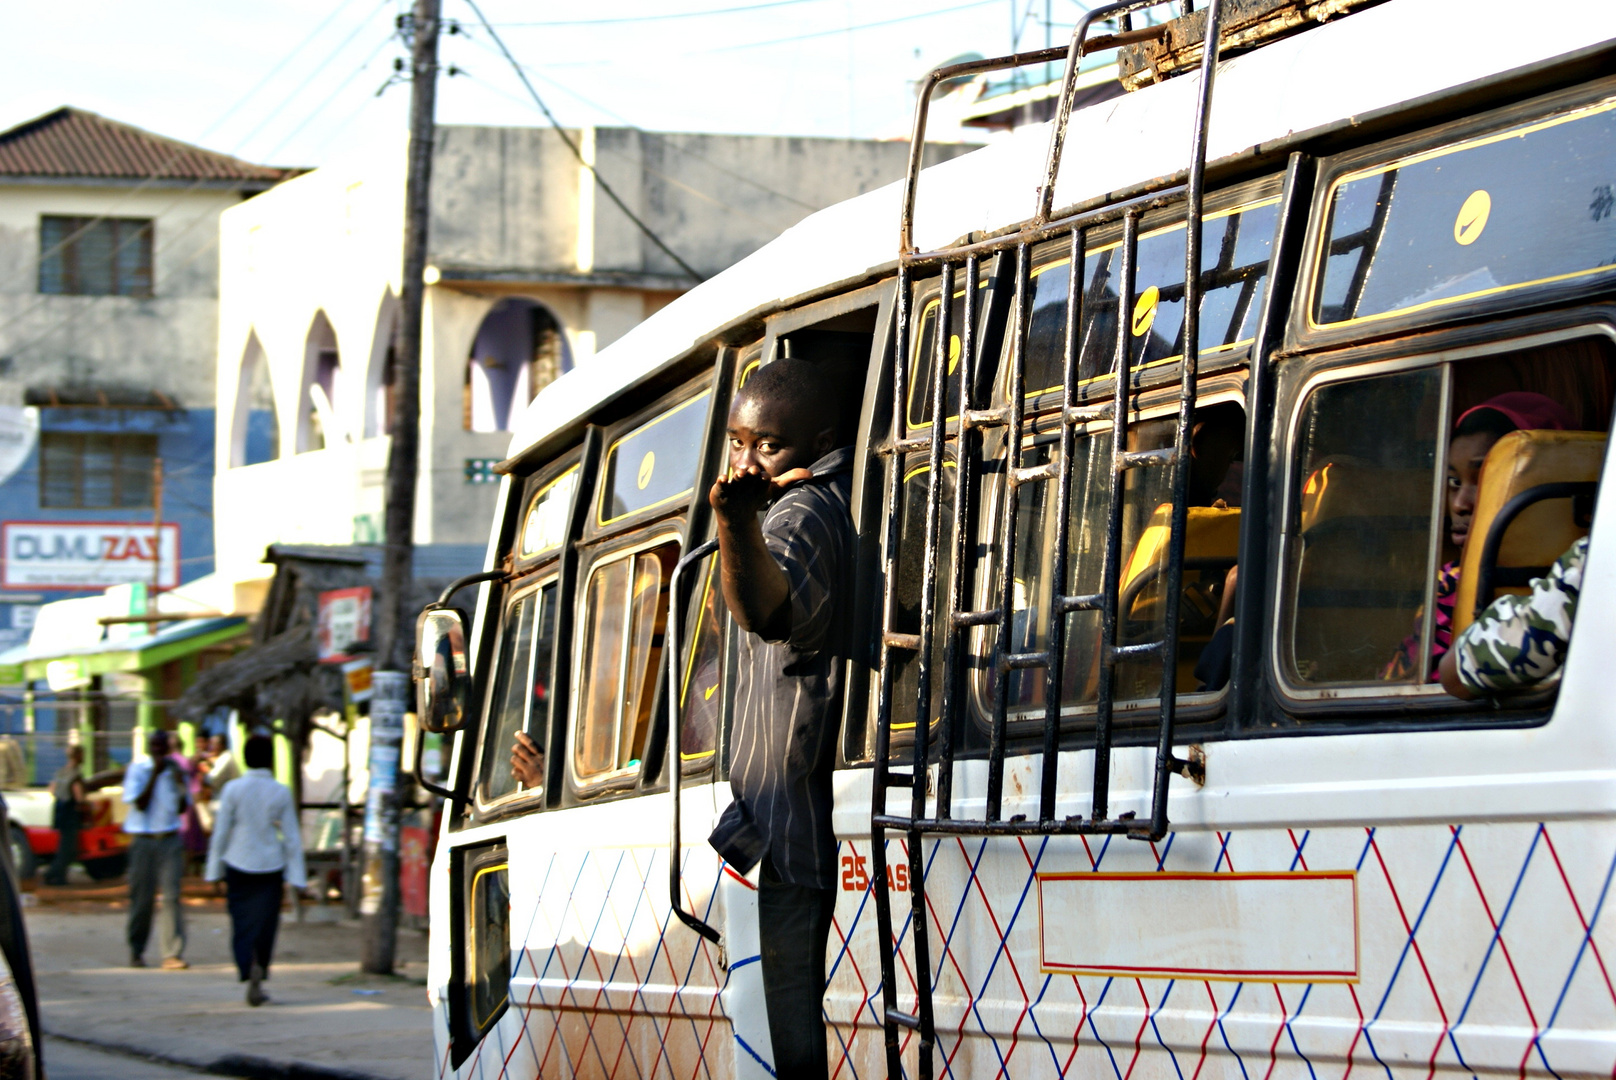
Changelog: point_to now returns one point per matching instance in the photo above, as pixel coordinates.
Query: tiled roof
(69, 142)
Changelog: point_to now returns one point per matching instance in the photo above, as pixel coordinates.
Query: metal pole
(380, 900)
(157, 540)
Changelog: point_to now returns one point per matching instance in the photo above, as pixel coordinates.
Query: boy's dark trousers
(793, 928)
(254, 902)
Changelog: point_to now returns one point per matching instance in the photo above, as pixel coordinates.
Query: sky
(296, 82)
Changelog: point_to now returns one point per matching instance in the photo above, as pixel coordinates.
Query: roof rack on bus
(957, 621)
(1245, 24)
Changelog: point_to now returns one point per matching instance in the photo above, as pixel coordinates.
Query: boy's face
(773, 436)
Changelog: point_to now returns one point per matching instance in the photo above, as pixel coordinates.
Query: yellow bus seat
(1211, 546)
(1541, 533)
(1362, 556)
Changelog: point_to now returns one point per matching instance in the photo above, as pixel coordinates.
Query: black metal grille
(966, 434)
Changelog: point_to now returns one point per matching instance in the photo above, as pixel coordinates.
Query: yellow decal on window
(1144, 311)
(953, 353)
(647, 466)
(1472, 217)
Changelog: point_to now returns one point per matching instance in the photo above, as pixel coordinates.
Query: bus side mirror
(442, 673)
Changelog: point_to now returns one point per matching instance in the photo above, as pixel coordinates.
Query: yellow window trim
(933, 304)
(690, 666)
(531, 503)
(482, 1021)
(1317, 277)
(577, 660)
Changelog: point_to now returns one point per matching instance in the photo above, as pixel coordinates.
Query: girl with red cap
(1475, 433)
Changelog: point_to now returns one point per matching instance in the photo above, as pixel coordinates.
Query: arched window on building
(255, 432)
(319, 423)
(519, 348)
(381, 375)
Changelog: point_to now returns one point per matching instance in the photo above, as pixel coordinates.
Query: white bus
(1110, 855)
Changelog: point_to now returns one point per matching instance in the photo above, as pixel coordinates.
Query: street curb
(240, 1065)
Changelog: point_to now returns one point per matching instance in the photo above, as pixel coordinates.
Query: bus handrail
(1489, 575)
(1079, 47)
(675, 764)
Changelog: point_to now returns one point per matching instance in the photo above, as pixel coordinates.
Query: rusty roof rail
(1247, 24)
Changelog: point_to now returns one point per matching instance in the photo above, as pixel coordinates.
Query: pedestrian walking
(67, 789)
(155, 789)
(256, 847)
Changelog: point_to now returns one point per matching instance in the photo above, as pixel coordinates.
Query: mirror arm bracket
(420, 778)
(461, 582)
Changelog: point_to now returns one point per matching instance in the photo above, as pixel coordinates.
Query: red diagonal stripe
(1419, 955)
(1581, 918)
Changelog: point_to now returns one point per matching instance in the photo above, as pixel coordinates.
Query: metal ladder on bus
(915, 825)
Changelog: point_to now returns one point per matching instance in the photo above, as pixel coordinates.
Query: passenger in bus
(1518, 641)
(785, 582)
(1475, 433)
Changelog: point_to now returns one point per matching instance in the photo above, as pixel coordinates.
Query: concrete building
(108, 331)
(108, 336)
(532, 269)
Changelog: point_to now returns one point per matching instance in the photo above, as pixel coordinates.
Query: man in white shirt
(256, 847)
(155, 789)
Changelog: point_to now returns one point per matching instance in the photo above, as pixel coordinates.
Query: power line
(655, 136)
(159, 172)
(661, 16)
(169, 240)
(573, 146)
(840, 29)
(318, 70)
(809, 36)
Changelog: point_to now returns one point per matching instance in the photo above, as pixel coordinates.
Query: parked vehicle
(1089, 865)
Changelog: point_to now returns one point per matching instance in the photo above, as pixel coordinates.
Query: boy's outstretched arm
(755, 588)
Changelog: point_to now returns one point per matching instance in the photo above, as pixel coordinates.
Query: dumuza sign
(88, 555)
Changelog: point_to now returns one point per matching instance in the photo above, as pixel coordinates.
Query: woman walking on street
(256, 847)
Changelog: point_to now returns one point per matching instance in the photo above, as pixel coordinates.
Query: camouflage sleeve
(1521, 640)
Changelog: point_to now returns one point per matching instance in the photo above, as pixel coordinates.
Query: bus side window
(1234, 269)
(924, 346)
(911, 563)
(521, 696)
(701, 682)
(625, 619)
(1361, 534)
(1376, 567)
(1211, 544)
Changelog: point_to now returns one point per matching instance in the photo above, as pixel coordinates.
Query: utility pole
(379, 901)
(157, 541)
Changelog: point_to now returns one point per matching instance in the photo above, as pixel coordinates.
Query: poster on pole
(89, 555)
(344, 621)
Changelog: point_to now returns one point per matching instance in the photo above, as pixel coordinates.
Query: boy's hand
(739, 495)
(527, 761)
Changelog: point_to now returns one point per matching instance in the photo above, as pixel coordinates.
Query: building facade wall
(514, 216)
(127, 347)
(166, 343)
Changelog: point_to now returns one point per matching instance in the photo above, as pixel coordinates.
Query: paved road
(75, 1061)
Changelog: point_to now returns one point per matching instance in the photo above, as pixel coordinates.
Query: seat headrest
(1542, 532)
(1209, 533)
(1351, 489)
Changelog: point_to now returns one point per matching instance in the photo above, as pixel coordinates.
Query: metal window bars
(972, 421)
